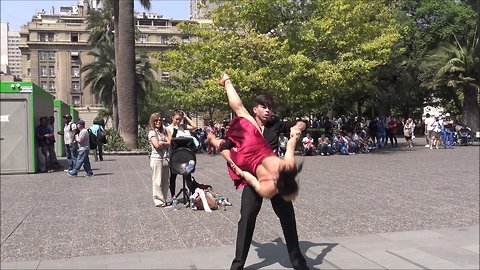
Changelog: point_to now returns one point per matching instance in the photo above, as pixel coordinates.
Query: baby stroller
(463, 136)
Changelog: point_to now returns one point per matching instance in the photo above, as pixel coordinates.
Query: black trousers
(250, 206)
(188, 182)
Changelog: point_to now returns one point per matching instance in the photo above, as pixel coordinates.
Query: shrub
(114, 141)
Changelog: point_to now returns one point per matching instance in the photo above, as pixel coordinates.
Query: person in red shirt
(392, 130)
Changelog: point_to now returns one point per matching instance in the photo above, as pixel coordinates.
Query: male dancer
(252, 201)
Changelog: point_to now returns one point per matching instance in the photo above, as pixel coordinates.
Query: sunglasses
(158, 120)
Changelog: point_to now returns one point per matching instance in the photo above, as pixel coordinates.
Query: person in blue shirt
(98, 129)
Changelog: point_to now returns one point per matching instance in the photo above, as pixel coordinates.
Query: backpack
(92, 139)
(101, 136)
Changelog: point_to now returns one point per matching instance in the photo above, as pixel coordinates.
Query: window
(46, 36)
(143, 38)
(75, 100)
(29, 72)
(75, 72)
(43, 70)
(74, 56)
(75, 86)
(51, 71)
(74, 37)
(164, 39)
(43, 84)
(51, 86)
(43, 55)
(185, 39)
(51, 56)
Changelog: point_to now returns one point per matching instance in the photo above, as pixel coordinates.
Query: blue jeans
(82, 159)
(449, 134)
(71, 150)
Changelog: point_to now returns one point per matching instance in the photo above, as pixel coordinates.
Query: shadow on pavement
(276, 252)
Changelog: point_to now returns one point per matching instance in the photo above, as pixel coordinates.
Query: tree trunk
(115, 120)
(127, 98)
(471, 108)
(114, 110)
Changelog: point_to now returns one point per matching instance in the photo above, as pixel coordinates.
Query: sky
(20, 12)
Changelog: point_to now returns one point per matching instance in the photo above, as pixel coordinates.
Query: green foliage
(143, 143)
(114, 141)
(301, 52)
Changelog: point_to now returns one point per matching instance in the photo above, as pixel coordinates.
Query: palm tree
(459, 71)
(100, 24)
(127, 98)
(102, 77)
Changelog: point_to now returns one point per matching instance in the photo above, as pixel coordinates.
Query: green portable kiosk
(22, 105)
(59, 110)
(74, 114)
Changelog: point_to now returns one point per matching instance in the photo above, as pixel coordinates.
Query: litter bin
(22, 105)
(59, 110)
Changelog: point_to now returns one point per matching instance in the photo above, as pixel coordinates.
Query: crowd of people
(354, 135)
(78, 141)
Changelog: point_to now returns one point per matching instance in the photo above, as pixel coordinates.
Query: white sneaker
(427, 145)
(157, 202)
(431, 147)
(66, 170)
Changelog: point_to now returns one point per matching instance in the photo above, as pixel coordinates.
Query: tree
(127, 98)
(457, 72)
(301, 52)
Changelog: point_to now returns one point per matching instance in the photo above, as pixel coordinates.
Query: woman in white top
(159, 139)
(180, 129)
(408, 130)
(436, 133)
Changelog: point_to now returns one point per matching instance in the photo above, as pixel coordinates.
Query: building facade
(55, 47)
(11, 59)
(200, 9)
(14, 54)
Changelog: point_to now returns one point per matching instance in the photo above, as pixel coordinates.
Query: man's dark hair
(286, 183)
(264, 100)
(427, 115)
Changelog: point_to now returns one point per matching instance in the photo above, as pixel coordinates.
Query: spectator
(324, 145)
(381, 133)
(282, 144)
(448, 129)
(98, 129)
(392, 131)
(159, 139)
(43, 135)
(429, 120)
(308, 145)
(83, 140)
(71, 149)
(436, 133)
(373, 128)
(408, 131)
(327, 127)
(340, 144)
(51, 145)
(180, 129)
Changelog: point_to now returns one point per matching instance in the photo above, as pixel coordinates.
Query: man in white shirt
(68, 134)
(83, 140)
(428, 128)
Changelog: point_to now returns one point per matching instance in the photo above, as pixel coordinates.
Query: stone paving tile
(389, 191)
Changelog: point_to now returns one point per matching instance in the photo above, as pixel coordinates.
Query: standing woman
(159, 138)
(179, 129)
(408, 129)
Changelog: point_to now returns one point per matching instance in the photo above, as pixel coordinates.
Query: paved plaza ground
(397, 200)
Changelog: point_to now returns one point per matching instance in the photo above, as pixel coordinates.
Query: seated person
(250, 160)
(340, 144)
(351, 143)
(324, 145)
(308, 145)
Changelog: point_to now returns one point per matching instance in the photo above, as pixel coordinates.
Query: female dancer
(250, 159)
